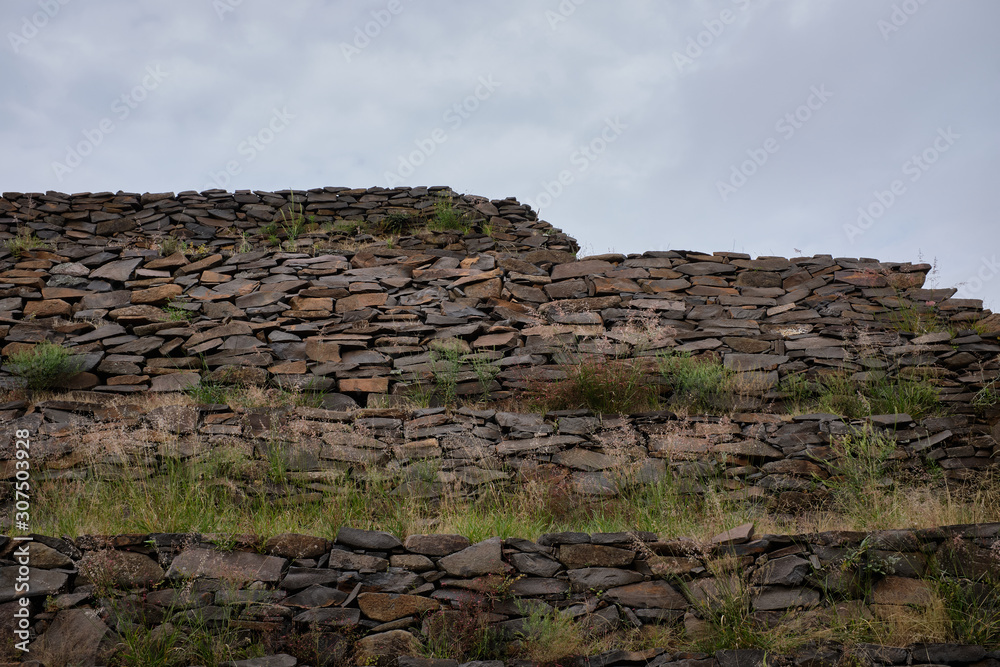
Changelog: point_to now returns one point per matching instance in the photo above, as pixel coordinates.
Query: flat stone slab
(648, 595)
(477, 560)
(42, 583)
(601, 578)
(236, 565)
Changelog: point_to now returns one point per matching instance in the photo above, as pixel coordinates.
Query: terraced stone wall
(367, 318)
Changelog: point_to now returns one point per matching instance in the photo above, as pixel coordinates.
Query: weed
(294, 221)
(395, 223)
(987, 397)
(547, 636)
(175, 313)
(24, 241)
(447, 218)
(446, 372)
(860, 467)
(244, 245)
(44, 366)
(698, 384)
(486, 372)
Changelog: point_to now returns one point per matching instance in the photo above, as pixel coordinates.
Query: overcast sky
(857, 128)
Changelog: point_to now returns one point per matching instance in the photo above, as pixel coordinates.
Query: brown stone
(361, 301)
(157, 296)
(314, 303)
(47, 308)
(292, 545)
(369, 385)
(488, 289)
(197, 267)
(321, 350)
(387, 607)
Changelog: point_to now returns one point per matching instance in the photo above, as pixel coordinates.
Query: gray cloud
(231, 66)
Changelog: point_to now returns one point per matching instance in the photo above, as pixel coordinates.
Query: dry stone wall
(365, 319)
(776, 460)
(390, 592)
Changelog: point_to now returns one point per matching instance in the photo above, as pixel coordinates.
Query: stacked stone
(388, 592)
(776, 459)
(371, 321)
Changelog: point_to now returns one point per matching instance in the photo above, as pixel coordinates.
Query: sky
(856, 128)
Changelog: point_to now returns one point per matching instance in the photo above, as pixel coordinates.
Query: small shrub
(447, 218)
(464, 634)
(44, 366)
(859, 468)
(24, 241)
(697, 384)
(988, 397)
(395, 223)
(614, 386)
(550, 636)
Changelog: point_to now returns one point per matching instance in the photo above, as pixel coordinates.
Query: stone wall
(390, 590)
(355, 316)
(365, 319)
(774, 459)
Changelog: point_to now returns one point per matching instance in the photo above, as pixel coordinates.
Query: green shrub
(604, 386)
(447, 218)
(697, 384)
(24, 241)
(44, 366)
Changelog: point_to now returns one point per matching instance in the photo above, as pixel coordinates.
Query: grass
(44, 366)
(449, 219)
(24, 241)
(175, 313)
(841, 394)
(250, 396)
(617, 386)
